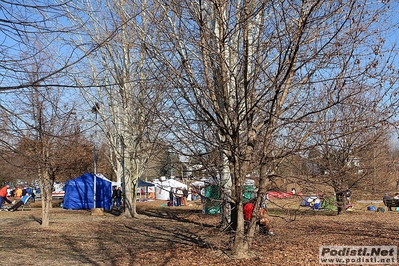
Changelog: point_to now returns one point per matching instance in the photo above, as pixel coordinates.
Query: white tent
(198, 184)
(204, 182)
(116, 184)
(249, 182)
(162, 189)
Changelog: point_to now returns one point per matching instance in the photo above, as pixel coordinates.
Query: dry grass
(184, 236)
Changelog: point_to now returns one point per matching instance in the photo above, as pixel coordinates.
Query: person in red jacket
(248, 209)
(264, 223)
(4, 195)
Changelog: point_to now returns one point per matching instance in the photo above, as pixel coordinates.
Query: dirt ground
(184, 236)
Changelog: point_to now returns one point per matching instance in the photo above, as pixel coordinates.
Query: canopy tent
(146, 189)
(140, 184)
(203, 182)
(145, 184)
(198, 184)
(79, 192)
(162, 188)
(116, 184)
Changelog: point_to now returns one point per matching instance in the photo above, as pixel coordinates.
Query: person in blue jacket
(23, 201)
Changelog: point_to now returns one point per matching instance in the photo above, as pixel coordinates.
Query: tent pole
(95, 177)
(123, 174)
(95, 110)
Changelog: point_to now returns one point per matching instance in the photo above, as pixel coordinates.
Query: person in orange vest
(4, 195)
(18, 193)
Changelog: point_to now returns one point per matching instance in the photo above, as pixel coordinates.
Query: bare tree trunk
(226, 194)
(46, 200)
(124, 87)
(130, 199)
(240, 246)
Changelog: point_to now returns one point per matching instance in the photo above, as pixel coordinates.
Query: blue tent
(79, 192)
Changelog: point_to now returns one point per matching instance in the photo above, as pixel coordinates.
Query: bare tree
(121, 84)
(261, 75)
(34, 25)
(345, 134)
(41, 27)
(39, 119)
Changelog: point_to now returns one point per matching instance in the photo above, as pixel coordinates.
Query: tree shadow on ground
(178, 215)
(114, 212)
(36, 219)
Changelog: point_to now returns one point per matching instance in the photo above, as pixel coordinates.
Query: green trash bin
(212, 207)
(249, 193)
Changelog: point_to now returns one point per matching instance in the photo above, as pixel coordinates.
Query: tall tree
(39, 121)
(258, 74)
(121, 84)
(345, 134)
(38, 30)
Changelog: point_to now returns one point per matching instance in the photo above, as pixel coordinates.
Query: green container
(248, 193)
(212, 207)
(212, 192)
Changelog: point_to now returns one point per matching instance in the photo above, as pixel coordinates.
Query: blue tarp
(79, 193)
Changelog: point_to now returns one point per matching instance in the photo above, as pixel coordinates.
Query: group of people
(386, 196)
(178, 196)
(19, 192)
(26, 195)
(116, 198)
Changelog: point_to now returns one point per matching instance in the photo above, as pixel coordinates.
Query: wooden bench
(391, 203)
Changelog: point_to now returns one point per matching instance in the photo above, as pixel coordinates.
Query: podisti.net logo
(358, 255)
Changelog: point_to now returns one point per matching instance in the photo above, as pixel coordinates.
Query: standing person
(171, 198)
(248, 209)
(33, 196)
(203, 199)
(12, 193)
(113, 198)
(37, 191)
(18, 193)
(179, 195)
(194, 194)
(190, 194)
(118, 197)
(185, 196)
(340, 201)
(4, 195)
(202, 194)
(348, 195)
